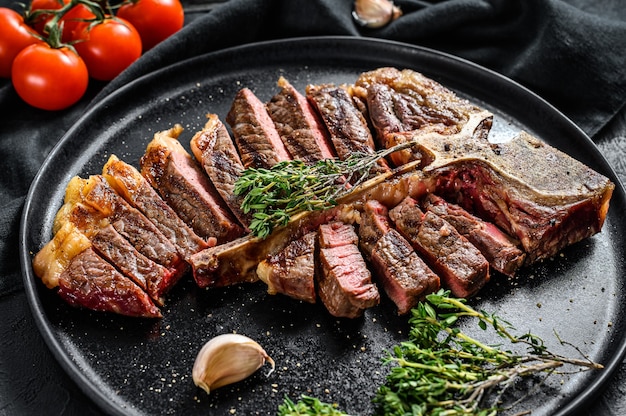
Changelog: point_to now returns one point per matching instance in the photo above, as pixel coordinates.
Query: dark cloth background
(572, 53)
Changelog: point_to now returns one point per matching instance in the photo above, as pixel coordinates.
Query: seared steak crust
(259, 144)
(345, 285)
(404, 276)
(90, 282)
(133, 187)
(299, 127)
(500, 249)
(214, 149)
(292, 271)
(186, 188)
(461, 267)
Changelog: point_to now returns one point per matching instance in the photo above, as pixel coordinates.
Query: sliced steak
(299, 127)
(155, 279)
(90, 282)
(500, 249)
(96, 193)
(344, 121)
(214, 149)
(135, 189)
(404, 276)
(407, 101)
(292, 271)
(345, 285)
(185, 187)
(255, 135)
(374, 223)
(461, 267)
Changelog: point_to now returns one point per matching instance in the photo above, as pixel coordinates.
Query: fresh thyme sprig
(308, 406)
(275, 195)
(441, 370)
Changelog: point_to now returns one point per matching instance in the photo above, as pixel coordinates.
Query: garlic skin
(375, 13)
(226, 359)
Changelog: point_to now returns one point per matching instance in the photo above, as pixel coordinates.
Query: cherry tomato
(108, 47)
(15, 35)
(72, 20)
(49, 78)
(155, 20)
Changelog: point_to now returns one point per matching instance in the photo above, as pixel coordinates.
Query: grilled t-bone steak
(292, 271)
(407, 101)
(186, 188)
(299, 127)
(214, 149)
(259, 144)
(344, 121)
(460, 266)
(345, 285)
(500, 249)
(403, 275)
(134, 188)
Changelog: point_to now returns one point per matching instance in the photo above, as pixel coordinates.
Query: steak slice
(90, 282)
(407, 101)
(292, 271)
(185, 187)
(96, 193)
(534, 192)
(135, 189)
(255, 135)
(461, 267)
(299, 127)
(373, 225)
(216, 152)
(500, 249)
(344, 121)
(345, 285)
(404, 276)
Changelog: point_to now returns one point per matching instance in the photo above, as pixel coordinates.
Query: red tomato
(15, 35)
(48, 78)
(108, 47)
(155, 20)
(72, 20)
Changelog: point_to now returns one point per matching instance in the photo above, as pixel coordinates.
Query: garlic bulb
(226, 359)
(375, 13)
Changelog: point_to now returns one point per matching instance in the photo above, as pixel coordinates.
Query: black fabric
(573, 53)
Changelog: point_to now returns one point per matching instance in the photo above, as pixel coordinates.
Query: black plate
(143, 367)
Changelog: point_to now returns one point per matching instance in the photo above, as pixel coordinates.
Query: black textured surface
(129, 366)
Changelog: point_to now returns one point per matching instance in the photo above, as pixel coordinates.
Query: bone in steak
(345, 285)
(186, 188)
(292, 271)
(214, 149)
(135, 189)
(259, 144)
(299, 127)
(460, 266)
(373, 224)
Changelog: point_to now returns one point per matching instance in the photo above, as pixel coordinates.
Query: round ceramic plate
(143, 367)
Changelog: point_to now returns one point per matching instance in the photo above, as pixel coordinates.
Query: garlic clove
(375, 13)
(226, 359)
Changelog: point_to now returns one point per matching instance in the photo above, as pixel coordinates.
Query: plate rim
(52, 340)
